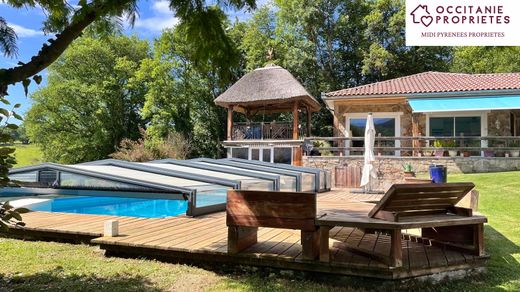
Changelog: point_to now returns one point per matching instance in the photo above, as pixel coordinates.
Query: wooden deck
(193, 239)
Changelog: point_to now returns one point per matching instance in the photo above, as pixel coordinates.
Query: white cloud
(162, 6)
(162, 18)
(25, 32)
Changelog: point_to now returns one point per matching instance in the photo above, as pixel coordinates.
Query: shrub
(174, 146)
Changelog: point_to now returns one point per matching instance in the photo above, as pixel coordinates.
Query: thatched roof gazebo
(270, 89)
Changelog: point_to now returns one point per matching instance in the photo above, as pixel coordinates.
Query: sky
(154, 16)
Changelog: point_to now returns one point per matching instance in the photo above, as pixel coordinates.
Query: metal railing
(489, 146)
(265, 131)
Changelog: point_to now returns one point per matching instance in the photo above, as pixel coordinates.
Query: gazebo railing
(265, 131)
(421, 146)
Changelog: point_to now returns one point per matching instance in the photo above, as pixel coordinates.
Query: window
(255, 154)
(242, 153)
(458, 127)
(455, 126)
(266, 154)
(385, 127)
(282, 155)
(441, 127)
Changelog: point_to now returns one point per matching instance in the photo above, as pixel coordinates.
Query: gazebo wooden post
(308, 121)
(297, 151)
(230, 123)
(295, 121)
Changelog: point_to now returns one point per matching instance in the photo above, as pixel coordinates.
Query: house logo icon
(421, 15)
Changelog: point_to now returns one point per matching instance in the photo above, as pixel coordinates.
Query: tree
(388, 56)
(68, 21)
(486, 59)
(180, 93)
(90, 102)
(8, 39)
(201, 22)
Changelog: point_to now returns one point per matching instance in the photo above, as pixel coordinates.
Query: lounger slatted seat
(430, 207)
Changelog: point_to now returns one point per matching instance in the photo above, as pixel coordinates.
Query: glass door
(385, 127)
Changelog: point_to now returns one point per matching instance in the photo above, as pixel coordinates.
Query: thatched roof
(271, 89)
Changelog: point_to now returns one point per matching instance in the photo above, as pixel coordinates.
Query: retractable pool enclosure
(322, 176)
(202, 183)
(289, 180)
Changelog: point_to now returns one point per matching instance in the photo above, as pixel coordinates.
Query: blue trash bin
(438, 174)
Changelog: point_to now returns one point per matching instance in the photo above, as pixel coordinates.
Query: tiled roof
(433, 82)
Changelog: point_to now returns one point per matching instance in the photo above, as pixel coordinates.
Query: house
(262, 133)
(478, 110)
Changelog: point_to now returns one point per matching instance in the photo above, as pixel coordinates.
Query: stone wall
(390, 169)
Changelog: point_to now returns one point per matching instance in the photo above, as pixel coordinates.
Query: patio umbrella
(368, 167)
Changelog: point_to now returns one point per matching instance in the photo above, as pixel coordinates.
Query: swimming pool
(117, 206)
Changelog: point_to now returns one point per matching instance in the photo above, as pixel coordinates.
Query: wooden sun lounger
(430, 207)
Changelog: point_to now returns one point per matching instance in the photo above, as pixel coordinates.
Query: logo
(422, 15)
(462, 22)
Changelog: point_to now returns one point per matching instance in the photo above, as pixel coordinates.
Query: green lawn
(55, 266)
(28, 154)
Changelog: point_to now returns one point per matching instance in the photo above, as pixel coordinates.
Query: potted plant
(438, 144)
(451, 144)
(516, 144)
(408, 170)
(500, 152)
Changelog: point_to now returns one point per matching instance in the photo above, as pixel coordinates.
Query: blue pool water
(148, 208)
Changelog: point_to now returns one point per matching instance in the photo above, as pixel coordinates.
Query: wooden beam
(295, 121)
(230, 123)
(308, 122)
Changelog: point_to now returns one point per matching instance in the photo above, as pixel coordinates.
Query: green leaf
(18, 105)
(26, 84)
(7, 217)
(15, 215)
(7, 206)
(12, 126)
(4, 151)
(4, 227)
(37, 79)
(4, 112)
(17, 116)
(22, 210)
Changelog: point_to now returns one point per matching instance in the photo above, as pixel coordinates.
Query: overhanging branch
(50, 52)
